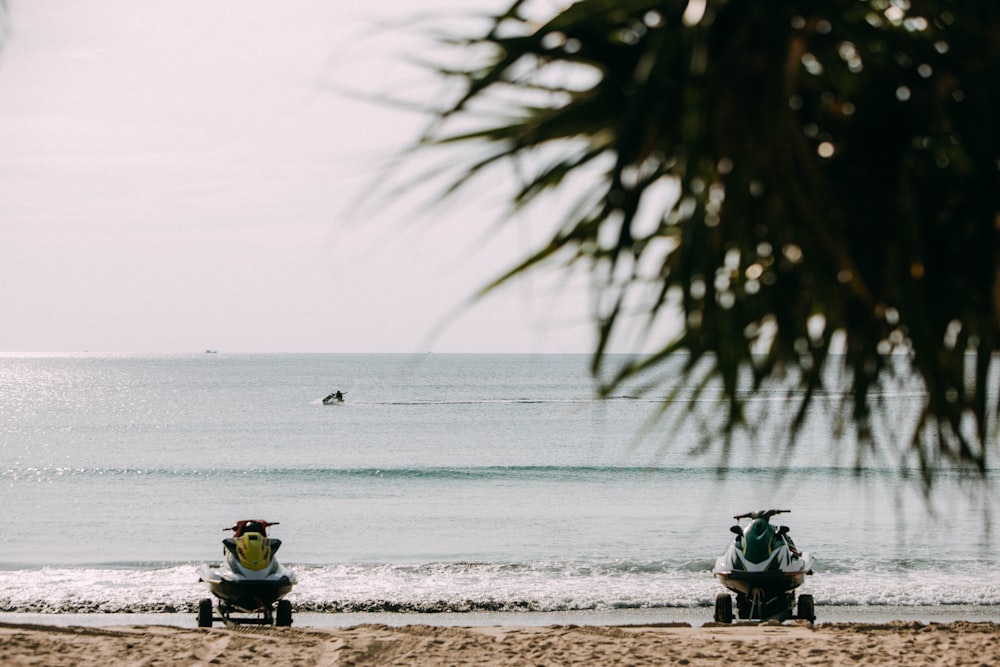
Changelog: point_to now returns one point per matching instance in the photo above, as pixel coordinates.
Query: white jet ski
(249, 579)
(763, 567)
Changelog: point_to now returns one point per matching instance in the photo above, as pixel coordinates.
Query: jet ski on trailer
(763, 567)
(249, 580)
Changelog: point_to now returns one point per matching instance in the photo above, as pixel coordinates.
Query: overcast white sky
(177, 176)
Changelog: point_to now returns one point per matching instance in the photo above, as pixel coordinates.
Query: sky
(190, 175)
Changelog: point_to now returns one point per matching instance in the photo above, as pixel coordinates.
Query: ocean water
(458, 484)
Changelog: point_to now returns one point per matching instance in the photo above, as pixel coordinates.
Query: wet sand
(893, 643)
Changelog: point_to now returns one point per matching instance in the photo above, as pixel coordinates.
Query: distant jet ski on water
(335, 397)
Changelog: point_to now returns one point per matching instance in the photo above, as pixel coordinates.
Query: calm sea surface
(454, 483)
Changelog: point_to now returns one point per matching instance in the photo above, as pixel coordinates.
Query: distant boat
(210, 351)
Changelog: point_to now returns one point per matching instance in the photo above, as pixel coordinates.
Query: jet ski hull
(244, 594)
(771, 583)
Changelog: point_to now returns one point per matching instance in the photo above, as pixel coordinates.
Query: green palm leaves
(810, 187)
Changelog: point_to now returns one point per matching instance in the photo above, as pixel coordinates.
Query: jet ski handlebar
(761, 514)
(240, 525)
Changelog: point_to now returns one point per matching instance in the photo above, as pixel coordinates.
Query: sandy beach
(956, 643)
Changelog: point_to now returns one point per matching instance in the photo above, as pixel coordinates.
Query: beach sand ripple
(913, 644)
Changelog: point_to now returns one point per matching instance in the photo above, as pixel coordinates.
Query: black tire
(743, 606)
(806, 608)
(205, 613)
(723, 608)
(283, 617)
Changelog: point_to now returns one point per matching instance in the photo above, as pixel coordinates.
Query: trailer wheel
(742, 606)
(205, 613)
(283, 617)
(806, 608)
(723, 608)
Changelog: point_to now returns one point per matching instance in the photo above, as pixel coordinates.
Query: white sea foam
(464, 587)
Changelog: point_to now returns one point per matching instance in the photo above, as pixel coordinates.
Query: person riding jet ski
(335, 397)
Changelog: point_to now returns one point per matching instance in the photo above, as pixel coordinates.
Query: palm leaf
(836, 165)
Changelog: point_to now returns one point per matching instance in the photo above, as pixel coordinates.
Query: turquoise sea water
(446, 483)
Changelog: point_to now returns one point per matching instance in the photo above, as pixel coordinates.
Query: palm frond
(836, 165)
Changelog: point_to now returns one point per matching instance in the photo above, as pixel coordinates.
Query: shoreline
(692, 616)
